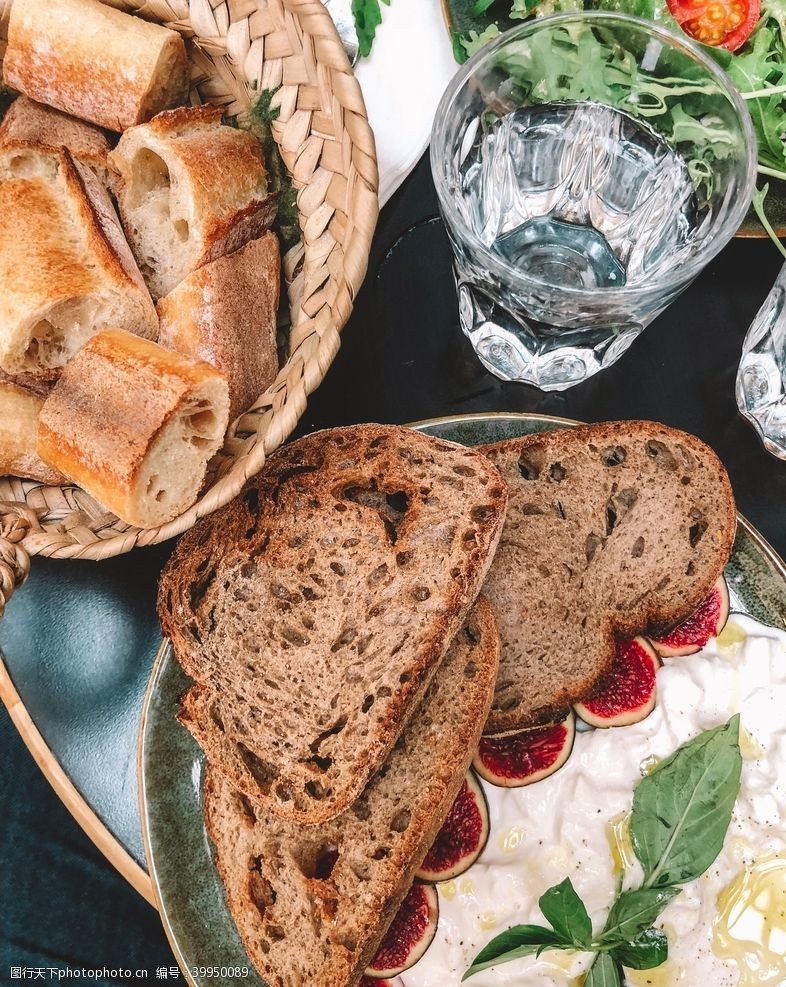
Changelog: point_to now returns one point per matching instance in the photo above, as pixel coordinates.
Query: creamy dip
(728, 929)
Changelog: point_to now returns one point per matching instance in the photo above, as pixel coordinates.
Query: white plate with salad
(408, 40)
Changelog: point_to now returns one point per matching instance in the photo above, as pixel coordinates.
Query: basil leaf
(521, 940)
(635, 911)
(649, 950)
(565, 910)
(604, 972)
(682, 810)
(368, 17)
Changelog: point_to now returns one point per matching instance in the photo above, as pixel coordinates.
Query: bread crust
(113, 400)
(29, 126)
(94, 62)
(276, 525)
(213, 178)
(60, 242)
(19, 413)
(529, 542)
(427, 766)
(225, 313)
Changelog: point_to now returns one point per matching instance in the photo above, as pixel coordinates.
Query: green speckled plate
(190, 896)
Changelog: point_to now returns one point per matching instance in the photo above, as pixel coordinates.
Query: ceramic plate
(190, 896)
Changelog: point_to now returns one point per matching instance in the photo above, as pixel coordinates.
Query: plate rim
(165, 648)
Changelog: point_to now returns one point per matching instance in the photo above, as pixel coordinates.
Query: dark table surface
(403, 358)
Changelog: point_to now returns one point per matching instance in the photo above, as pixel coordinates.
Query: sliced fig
(692, 634)
(628, 692)
(409, 935)
(512, 760)
(462, 837)
(367, 981)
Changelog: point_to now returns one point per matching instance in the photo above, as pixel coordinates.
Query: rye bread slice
(312, 903)
(316, 607)
(617, 528)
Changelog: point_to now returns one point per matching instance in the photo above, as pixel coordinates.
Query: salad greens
(678, 822)
(368, 17)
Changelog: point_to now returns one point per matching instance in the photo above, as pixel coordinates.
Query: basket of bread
(165, 166)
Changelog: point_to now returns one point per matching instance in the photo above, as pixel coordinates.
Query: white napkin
(403, 79)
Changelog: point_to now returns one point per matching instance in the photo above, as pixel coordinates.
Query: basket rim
(63, 521)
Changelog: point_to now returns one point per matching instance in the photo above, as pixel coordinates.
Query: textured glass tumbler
(761, 378)
(588, 167)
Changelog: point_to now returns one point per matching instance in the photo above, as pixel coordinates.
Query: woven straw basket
(237, 49)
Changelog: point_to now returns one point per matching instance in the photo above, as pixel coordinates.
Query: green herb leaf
(481, 6)
(472, 41)
(521, 940)
(682, 810)
(634, 911)
(368, 17)
(604, 972)
(649, 950)
(565, 910)
(758, 204)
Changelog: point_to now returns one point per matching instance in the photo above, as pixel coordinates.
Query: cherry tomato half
(721, 23)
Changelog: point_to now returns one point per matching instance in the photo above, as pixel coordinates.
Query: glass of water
(588, 167)
(761, 378)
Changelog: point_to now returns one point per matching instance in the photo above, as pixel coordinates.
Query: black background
(403, 358)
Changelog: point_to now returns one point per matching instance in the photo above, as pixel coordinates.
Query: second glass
(588, 166)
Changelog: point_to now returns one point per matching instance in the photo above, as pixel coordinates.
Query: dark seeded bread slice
(619, 528)
(312, 903)
(316, 607)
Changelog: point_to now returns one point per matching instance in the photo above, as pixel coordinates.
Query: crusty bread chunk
(19, 412)
(94, 62)
(225, 313)
(65, 268)
(190, 190)
(317, 606)
(135, 425)
(618, 528)
(30, 127)
(312, 903)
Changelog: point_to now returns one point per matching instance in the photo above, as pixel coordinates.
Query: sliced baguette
(317, 606)
(65, 268)
(225, 313)
(30, 127)
(94, 62)
(19, 413)
(312, 903)
(189, 191)
(135, 426)
(619, 528)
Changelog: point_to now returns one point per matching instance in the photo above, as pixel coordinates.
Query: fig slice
(627, 694)
(462, 837)
(512, 760)
(366, 981)
(409, 935)
(692, 634)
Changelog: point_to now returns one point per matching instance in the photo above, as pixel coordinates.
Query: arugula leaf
(634, 911)
(649, 950)
(472, 41)
(566, 911)
(682, 810)
(604, 972)
(481, 6)
(521, 940)
(368, 17)
(758, 205)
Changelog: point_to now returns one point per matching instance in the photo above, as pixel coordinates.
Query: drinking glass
(761, 378)
(588, 167)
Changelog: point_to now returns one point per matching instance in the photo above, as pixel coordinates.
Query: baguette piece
(135, 425)
(190, 190)
(19, 413)
(312, 904)
(29, 128)
(225, 313)
(356, 554)
(65, 268)
(94, 62)
(613, 529)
